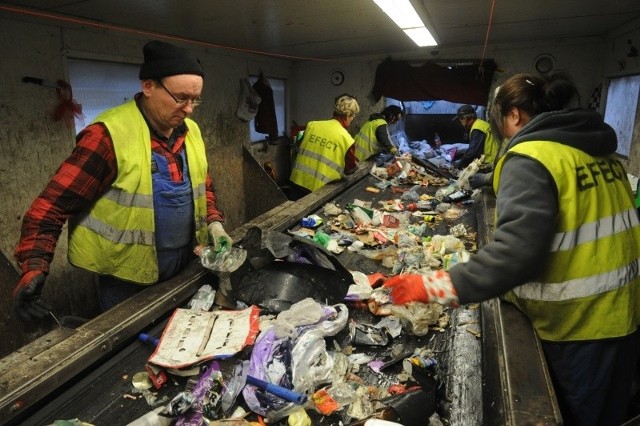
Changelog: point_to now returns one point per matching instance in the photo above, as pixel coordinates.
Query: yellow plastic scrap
(299, 418)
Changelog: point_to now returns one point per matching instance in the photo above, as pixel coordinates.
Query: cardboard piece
(192, 337)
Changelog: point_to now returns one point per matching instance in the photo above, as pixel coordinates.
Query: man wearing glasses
(136, 190)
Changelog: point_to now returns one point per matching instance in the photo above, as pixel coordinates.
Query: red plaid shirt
(81, 179)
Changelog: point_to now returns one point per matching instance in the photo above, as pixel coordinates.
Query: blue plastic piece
(282, 392)
(145, 338)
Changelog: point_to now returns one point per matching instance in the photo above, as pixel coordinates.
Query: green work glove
(26, 296)
(221, 240)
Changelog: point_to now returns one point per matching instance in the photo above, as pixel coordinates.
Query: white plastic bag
(248, 102)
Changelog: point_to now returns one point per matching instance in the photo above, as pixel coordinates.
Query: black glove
(26, 296)
(480, 179)
(457, 163)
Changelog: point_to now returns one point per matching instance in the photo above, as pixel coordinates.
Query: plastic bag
(248, 101)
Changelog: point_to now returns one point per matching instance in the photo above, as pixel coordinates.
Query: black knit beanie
(163, 59)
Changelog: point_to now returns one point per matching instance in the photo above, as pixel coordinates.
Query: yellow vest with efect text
(116, 236)
(321, 158)
(588, 289)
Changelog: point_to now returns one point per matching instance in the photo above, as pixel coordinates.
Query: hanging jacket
(321, 158)
(567, 238)
(117, 236)
(265, 120)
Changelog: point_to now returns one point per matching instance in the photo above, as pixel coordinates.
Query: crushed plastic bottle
(470, 170)
(227, 260)
(203, 299)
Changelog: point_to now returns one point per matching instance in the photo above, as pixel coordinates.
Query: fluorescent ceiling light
(421, 36)
(406, 17)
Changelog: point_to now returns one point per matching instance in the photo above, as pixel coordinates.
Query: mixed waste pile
(352, 362)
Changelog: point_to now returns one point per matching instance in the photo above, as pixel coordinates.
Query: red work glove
(26, 296)
(431, 287)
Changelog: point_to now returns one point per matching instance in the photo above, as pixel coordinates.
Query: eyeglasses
(182, 102)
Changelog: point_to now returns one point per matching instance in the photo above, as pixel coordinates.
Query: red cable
(148, 33)
(486, 37)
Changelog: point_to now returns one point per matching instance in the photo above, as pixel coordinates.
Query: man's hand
(26, 296)
(221, 240)
(431, 287)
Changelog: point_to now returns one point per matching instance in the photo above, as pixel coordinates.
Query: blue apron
(174, 217)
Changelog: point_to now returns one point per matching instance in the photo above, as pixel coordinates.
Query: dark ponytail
(534, 94)
(560, 91)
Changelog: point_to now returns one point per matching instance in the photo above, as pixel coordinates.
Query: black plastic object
(282, 270)
(278, 285)
(413, 407)
(458, 195)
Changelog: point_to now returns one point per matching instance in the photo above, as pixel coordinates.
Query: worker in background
(327, 150)
(480, 137)
(136, 189)
(565, 249)
(374, 136)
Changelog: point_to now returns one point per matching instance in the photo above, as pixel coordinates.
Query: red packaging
(390, 221)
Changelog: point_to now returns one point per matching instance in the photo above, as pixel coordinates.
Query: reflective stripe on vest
(367, 143)
(491, 143)
(321, 158)
(116, 236)
(588, 288)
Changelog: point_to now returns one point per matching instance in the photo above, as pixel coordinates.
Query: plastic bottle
(203, 299)
(227, 260)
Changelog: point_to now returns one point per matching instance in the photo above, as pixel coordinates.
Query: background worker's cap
(163, 59)
(464, 111)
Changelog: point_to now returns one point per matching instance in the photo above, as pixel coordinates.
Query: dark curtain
(467, 84)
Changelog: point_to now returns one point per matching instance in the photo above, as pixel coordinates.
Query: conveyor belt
(81, 373)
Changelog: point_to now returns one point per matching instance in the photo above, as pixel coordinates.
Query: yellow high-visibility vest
(588, 288)
(367, 143)
(491, 143)
(116, 236)
(321, 158)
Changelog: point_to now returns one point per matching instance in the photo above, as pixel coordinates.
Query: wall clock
(544, 63)
(337, 77)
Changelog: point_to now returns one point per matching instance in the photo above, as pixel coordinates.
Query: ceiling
(330, 29)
